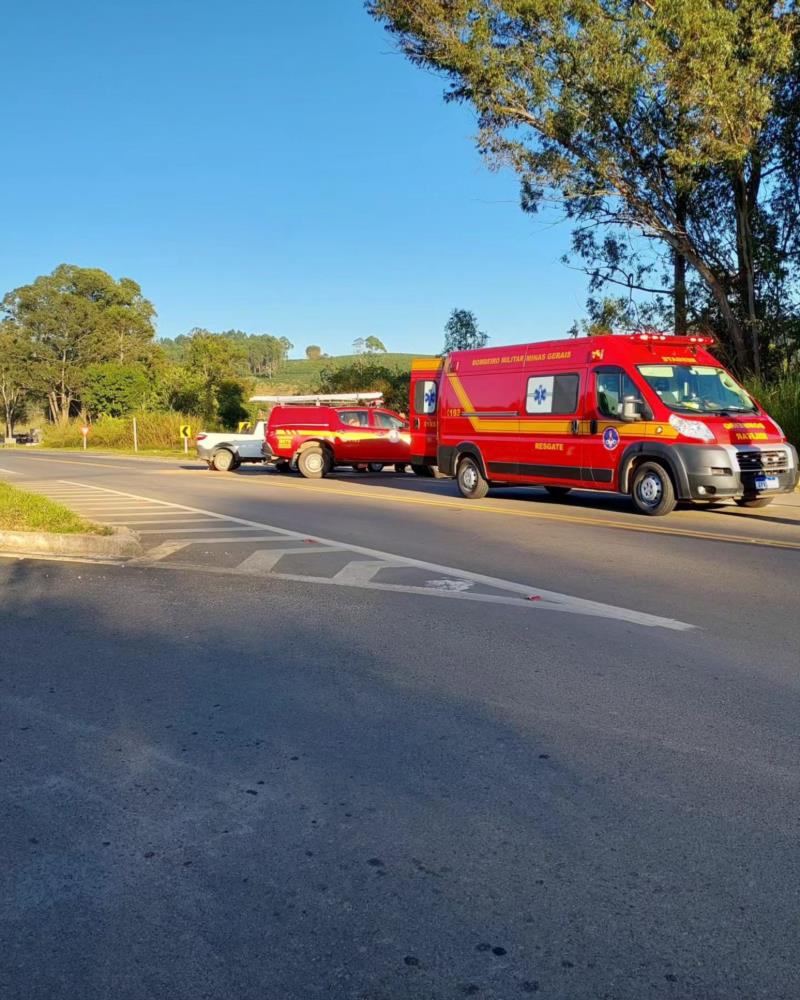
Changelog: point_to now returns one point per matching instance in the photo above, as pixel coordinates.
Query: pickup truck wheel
(652, 491)
(223, 460)
(313, 463)
(400, 466)
(471, 482)
(754, 501)
(375, 466)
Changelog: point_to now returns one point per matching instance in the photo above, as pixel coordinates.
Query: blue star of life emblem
(430, 399)
(540, 394)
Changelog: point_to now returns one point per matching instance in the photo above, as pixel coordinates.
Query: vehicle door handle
(416, 423)
(592, 426)
(574, 427)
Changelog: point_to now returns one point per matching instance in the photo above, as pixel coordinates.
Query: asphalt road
(363, 739)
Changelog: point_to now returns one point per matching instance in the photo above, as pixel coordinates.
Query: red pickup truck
(314, 439)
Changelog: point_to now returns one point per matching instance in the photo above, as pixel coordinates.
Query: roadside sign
(85, 432)
(245, 425)
(186, 431)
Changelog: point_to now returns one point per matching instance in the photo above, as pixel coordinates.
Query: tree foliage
(114, 389)
(14, 376)
(367, 375)
(374, 346)
(313, 352)
(461, 332)
(660, 119)
(71, 319)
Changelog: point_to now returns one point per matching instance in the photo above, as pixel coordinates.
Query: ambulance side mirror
(632, 408)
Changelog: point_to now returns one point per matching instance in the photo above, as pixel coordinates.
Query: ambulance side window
(552, 394)
(612, 386)
(425, 396)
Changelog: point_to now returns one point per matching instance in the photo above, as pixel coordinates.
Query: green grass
(781, 400)
(21, 511)
(301, 375)
(158, 431)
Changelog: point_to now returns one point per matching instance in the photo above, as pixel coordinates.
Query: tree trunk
(679, 265)
(717, 288)
(744, 249)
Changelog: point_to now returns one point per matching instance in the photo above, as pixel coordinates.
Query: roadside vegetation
(23, 511)
(781, 399)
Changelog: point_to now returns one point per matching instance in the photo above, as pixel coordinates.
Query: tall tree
(623, 109)
(374, 346)
(461, 332)
(14, 375)
(72, 318)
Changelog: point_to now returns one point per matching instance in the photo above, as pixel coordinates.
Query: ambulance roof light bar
(675, 338)
(321, 399)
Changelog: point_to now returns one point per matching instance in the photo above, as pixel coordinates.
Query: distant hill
(300, 375)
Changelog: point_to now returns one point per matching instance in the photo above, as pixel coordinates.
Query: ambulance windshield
(697, 389)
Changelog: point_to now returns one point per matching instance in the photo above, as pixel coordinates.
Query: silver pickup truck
(225, 452)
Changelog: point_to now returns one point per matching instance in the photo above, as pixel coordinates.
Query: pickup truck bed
(225, 452)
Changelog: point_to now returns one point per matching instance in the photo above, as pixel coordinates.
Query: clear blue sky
(268, 166)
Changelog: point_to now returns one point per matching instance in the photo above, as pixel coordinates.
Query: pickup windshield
(697, 389)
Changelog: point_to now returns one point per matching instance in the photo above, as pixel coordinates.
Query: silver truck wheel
(223, 460)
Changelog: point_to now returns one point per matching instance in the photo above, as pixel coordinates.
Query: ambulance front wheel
(470, 479)
(652, 491)
(754, 501)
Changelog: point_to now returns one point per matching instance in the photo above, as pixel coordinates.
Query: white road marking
(363, 571)
(186, 531)
(263, 560)
(238, 540)
(175, 520)
(449, 584)
(10, 472)
(524, 595)
(165, 549)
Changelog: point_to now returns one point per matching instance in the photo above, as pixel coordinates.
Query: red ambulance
(650, 415)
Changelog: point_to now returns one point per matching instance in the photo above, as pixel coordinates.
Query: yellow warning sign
(245, 425)
(186, 431)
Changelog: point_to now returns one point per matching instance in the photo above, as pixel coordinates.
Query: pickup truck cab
(315, 439)
(226, 451)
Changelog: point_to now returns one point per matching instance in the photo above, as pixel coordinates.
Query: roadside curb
(122, 544)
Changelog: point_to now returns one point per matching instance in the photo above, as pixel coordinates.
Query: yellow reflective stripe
(638, 428)
(427, 364)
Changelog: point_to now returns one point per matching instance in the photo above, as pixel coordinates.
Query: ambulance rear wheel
(400, 467)
(558, 491)
(652, 491)
(471, 482)
(754, 501)
(313, 463)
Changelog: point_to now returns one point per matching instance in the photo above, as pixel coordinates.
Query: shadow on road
(226, 790)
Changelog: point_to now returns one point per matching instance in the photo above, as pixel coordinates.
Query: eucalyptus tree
(634, 115)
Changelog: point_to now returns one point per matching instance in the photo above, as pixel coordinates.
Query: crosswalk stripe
(359, 575)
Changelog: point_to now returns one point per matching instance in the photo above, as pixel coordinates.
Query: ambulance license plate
(767, 483)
